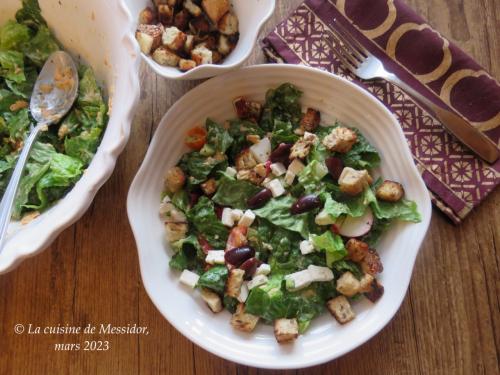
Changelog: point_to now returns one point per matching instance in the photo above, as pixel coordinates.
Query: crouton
(163, 56)
(245, 160)
(175, 231)
(365, 284)
(243, 321)
(216, 57)
(174, 179)
(286, 330)
(228, 24)
(234, 281)
(212, 299)
(353, 182)
(340, 139)
(356, 250)
(225, 45)
(261, 170)
(173, 38)
(199, 26)
(376, 292)
(201, 55)
(347, 284)
(247, 109)
(147, 16)
(186, 65)
(192, 8)
(188, 44)
(209, 186)
(149, 37)
(341, 309)
(390, 191)
(310, 120)
(215, 9)
(250, 175)
(165, 14)
(145, 42)
(371, 263)
(301, 148)
(169, 213)
(181, 20)
(253, 138)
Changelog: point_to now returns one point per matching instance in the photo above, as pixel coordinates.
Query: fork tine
(350, 39)
(343, 53)
(348, 46)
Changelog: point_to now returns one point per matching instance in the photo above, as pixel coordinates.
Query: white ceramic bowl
(107, 44)
(252, 14)
(336, 98)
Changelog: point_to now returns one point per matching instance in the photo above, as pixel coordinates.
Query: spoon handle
(10, 193)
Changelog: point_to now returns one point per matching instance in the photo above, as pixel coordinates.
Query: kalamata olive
(335, 166)
(250, 265)
(305, 203)
(238, 255)
(260, 199)
(281, 153)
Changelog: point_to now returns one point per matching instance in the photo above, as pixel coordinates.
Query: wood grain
(449, 322)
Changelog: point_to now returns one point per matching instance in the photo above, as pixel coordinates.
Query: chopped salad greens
(276, 218)
(63, 151)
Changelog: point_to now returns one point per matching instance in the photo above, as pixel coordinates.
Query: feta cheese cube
(276, 188)
(236, 214)
(257, 281)
(227, 217)
(243, 292)
(306, 247)
(298, 280)
(215, 257)
(278, 169)
(289, 177)
(266, 182)
(319, 273)
(261, 150)
(247, 218)
(231, 172)
(189, 278)
(263, 269)
(296, 166)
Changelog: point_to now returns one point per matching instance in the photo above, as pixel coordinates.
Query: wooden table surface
(449, 322)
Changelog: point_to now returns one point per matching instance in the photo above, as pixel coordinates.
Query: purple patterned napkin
(457, 180)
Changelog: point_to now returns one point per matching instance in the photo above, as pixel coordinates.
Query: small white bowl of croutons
(194, 39)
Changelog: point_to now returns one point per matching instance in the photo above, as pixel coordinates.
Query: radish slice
(357, 226)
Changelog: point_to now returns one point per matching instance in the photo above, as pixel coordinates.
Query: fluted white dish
(325, 340)
(107, 44)
(252, 14)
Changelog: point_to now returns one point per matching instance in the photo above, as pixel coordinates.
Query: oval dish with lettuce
(276, 218)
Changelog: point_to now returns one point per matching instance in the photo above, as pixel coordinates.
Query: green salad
(276, 218)
(64, 150)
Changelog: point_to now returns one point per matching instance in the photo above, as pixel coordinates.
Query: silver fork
(363, 64)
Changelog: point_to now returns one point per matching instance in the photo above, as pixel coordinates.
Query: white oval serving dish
(325, 340)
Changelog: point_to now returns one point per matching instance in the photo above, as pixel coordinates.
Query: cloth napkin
(457, 179)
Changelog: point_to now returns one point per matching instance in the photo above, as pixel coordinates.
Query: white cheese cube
(257, 281)
(266, 182)
(298, 280)
(296, 166)
(247, 218)
(261, 150)
(306, 247)
(263, 269)
(189, 278)
(227, 217)
(276, 188)
(236, 214)
(231, 172)
(289, 177)
(278, 169)
(243, 292)
(215, 257)
(319, 273)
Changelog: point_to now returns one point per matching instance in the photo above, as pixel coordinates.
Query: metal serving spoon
(55, 91)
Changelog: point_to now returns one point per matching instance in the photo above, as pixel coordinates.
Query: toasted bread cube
(245, 160)
(249, 175)
(188, 44)
(209, 186)
(147, 16)
(163, 56)
(199, 26)
(174, 179)
(247, 219)
(243, 321)
(340, 139)
(341, 309)
(212, 299)
(310, 120)
(353, 182)
(216, 56)
(186, 65)
(365, 284)
(247, 109)
(356, 249)
(286, 330)
(145, 42)
(243, 292)
(175, 231)
(234, 282)
(173, 38)
(253, 138)
(261, 169)
(371, 263)
(301, 148)
(390, 191)
(201, 55)
(215, 9)
(153, 42)
(347, 284)
(171, 214)
(376, 292)
(224, 45)
(181, 20)
(192, 8)
(228, 24)
(165, 14)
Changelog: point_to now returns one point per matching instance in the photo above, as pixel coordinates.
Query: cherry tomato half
(196, 138)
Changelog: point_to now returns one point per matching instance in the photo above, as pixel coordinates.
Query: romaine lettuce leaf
(203, 217)
(362, 155)
(84, 145)
(403, 209)
(234, 193)
(214, 279)
(282, 103)
(30, 14)
(283, 133)
(39, 47)
(218, 137)
(332, 208)
(333, 246)
(311, 176)
(13, 35)
(197, 166)
(12, 66)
